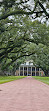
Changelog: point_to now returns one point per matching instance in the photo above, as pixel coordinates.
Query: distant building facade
(28, 69)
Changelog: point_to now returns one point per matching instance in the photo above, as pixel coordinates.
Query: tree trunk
(46, 73)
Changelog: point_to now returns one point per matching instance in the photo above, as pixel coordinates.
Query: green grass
(42, 79)
(4, 79)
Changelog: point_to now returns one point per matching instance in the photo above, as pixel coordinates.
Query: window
(33, 73)
(33, 68)
(21, 68)
(25, 68)
(25, 73)
(37, 69)
(37, 73)
(29, 68)
(21, 73)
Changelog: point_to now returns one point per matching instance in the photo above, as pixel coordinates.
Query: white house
(28, 69)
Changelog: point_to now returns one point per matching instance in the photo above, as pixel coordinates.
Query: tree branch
(18, 12)
(19, 57)
(44, 10)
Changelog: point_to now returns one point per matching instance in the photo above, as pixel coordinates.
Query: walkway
(25, 94)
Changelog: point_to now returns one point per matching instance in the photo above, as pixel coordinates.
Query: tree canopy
(41, 57)
(28, 7)
(16, 37)
(19, 27)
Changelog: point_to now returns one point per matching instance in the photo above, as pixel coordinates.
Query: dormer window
(25, 63)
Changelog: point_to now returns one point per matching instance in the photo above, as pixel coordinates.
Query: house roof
(28, 63)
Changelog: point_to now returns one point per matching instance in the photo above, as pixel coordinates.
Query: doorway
(29, 71)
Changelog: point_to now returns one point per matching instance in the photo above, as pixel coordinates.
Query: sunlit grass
(42, 79)
(4, 79)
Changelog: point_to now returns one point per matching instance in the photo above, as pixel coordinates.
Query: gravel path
(26, 94)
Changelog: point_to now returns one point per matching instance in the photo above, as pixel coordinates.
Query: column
(23, 70)
(35, 71)
(31, 70)
(15, 74)
(19, 71)
(39, 71)
(27, 70)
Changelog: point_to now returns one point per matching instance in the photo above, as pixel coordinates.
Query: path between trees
(25, 94)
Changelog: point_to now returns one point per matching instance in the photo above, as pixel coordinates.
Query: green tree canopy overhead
(16, 36)
(40, 57)
(28, 7)
(17, 29)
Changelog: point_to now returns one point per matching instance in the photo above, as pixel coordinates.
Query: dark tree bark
(46, 72)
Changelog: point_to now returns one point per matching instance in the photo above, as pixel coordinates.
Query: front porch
(29, 71)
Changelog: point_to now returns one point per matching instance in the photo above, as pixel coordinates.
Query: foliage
(17, 30)
(41, 57)
(28, 7)
(16, 42)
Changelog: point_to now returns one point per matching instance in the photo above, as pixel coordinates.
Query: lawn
(4, 79)
(42, 79)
